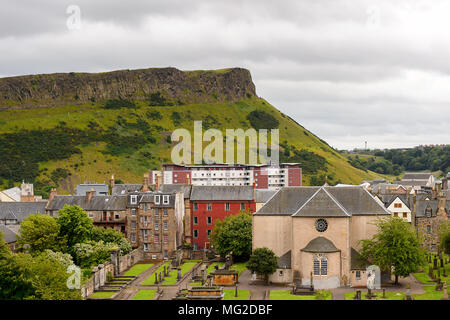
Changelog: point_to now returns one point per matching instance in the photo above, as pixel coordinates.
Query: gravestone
(178, 274)
(445, 296)
(358, 295)
(236, 291)
(408, 292)
(156, 278)
(435, 263)
(384, 293)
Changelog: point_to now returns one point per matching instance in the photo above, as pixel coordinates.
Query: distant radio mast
(365, 142)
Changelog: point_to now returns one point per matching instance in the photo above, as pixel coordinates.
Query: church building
(315, 233)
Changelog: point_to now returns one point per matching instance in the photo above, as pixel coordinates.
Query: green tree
(234, 234)
(444, 238)
(92, 253)
(394, 245)
(263, 262)
(14, 282)
(4, 250)
(40, 232)
(111, 235)
(75, 225)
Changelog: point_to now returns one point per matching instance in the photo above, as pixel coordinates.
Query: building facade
(262, 176)
(209, 204)
(315, 233)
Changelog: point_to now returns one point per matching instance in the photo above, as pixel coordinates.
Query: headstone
(156, 278)
(160, 277)
(435, 263)
(445, 296)
(178, 274)
(236, 291)
(384, 293)
(358, 295)
(408, 292)
(253, 276)
(165, 271)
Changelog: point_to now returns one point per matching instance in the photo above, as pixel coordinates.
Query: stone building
(155, 222)
(314, 230)
(12, 213)
(429, 214)
(105, 211)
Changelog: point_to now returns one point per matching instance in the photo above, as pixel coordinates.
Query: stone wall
(116, 266)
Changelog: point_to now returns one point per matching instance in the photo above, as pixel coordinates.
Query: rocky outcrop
(45, 90)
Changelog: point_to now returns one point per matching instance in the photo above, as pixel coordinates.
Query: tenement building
(315, 232)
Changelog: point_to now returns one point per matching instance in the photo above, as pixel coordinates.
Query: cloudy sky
(350, 71)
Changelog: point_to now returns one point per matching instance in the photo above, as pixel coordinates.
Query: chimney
(441, 205)
(89, 195)
(52, 194)
(111, 182)
(145, 183)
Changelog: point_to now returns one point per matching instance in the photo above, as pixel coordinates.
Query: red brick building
(212, 203)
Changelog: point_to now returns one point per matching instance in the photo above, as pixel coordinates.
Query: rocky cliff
(45, 90)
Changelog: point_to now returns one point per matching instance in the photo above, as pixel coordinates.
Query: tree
(4, 250)
(75, 225)
(234, 234)
(263, 262)
(444, 237)
(92, 253)
(40, 232)
(111, 235)
(394, 245)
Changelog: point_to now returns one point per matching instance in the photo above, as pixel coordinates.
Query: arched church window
(316, 266)
(428, 212)
(323, 266)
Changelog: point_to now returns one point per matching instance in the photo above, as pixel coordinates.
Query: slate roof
(8, 235)
(356, 262)
(320, 244)
(222, 193)
(416, 176)
(284, 261)
(421, 206)
(174, 188)
(13, 193)
(322, 203)
(97, 203)
(20, 210)
(342, 201)
(100, 189)
(122, 189)
(262, 196)
(387, 199)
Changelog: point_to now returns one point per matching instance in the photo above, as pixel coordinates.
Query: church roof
(284, 262)
(357, 263)
(320, 244)
(323, 204)
(340, 201)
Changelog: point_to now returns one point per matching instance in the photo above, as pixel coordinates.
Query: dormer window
(133, 199)
(157, 199)
(165, 199)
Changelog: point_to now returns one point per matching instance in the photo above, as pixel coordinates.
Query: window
(156, 212)
(133, 237)
(166, 225)
(145, 221)
(133, 225)
(165, 238)
(395, 214)
(165, 212)
(157, 199)
(156, 226)
(195, 233)
(428, 229)
(281, 273)
(133, 199)
(405, 214)
(397, 205)
(145, 246)
(321, 225)
(195, 246)
(209, 220)
(165, 199)
(358, 275)
(242, 206)
(227, 206)
(145, 234)
(209, 207)
(208, 234)
(195, 220)
(156, 238)
(320, 266)
(195, 206)
(133, 212)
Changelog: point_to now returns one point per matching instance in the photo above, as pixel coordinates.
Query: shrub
(262, 120)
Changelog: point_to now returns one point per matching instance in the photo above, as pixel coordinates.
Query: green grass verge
(100, 294)
(172, 278)
(137, 269)
(145, 295)
(430, 294)
(379, 295)
(242, 294)
(151, 279)
(240, 267)
(212, 265)
(286, 295)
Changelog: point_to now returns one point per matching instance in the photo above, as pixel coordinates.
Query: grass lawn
(211, 266)
(286, 295)
(379, 295)
(430, 294)
(100, 294)
(137, 269)
(151, 279)
(242, 294)
(145, 295)
(172, 278)
(195, 284)
(240, 266)
(423, 278)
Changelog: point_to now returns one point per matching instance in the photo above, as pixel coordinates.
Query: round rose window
(321, 225)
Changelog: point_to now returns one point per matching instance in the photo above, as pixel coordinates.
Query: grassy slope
(129, 168)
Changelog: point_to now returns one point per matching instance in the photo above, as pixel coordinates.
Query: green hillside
(70, 144)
